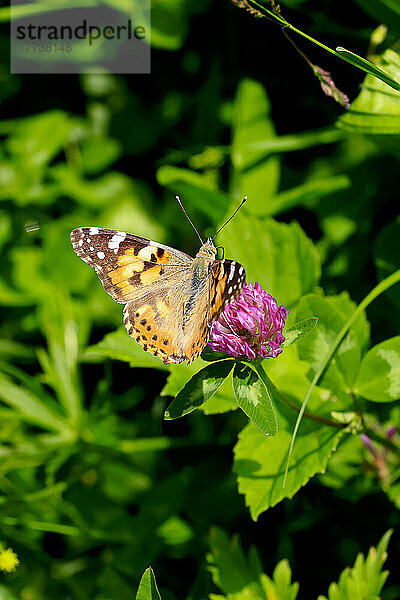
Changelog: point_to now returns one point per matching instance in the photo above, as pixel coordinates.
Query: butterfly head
(207, 250)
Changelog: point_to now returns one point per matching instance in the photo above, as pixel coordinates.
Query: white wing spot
(101, 255)
(91, 248)
(115, 241)
(94, 230)
(80, 242)
(230, 290)
(88, 240)
(232, 270)
(241, 271)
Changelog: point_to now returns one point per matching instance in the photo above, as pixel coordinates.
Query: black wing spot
(165, 342)
(160, 252)
(148, 327)
(153, 257)
(155, 337)
(137, 314)
(143, 322)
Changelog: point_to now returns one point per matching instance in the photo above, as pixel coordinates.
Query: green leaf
(377, 108)
(240, 577)
(256, 172)
(97, 153)
(254, 399)
(222, 401)
(37, 139)
(147, 589)
(306, 194)
(30, 407)
(202, 386)
(195, 190)
(298, 331)
(368, 66)
(260, 460)
(332, 313)
(119, 346)
(366, 579)
(279, 256)
(379, 376)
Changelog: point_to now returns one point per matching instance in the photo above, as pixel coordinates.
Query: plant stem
(268, 383)
(384, 285)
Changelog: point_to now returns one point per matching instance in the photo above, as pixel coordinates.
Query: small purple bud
(368, 444)
(391, 431)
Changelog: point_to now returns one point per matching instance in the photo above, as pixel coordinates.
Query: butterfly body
(171, 299)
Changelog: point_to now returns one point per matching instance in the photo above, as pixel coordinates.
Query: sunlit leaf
(366, 579)
(254, 399)
(202, 386)
(377, 108)
(279, 256)
(379, 375)
(147, 589)
(256, 172)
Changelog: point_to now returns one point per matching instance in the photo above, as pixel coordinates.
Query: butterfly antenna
(231, 217)
(188, 218)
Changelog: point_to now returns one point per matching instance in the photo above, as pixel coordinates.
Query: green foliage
(375, 110)
(147, 589)
(95, 485)
(366, 579)
(379, 376)
(240, 577)
(253, 397)
(199, 389)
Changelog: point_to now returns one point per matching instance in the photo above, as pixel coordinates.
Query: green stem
(309, 415)
(379, 289)
(349, 57)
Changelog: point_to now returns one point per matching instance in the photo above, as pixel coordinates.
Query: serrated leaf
(366, 579)
(379, 376)
(333, 312)
(284, 261)
(202, 386)
(147, 589)
(300, 329)
(241, 577)
(260, 461)
(377, 108)
(254, 399)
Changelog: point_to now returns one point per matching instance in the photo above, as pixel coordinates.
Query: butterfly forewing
(127, 264)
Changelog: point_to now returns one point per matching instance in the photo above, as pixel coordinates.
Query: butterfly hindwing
(127, 265)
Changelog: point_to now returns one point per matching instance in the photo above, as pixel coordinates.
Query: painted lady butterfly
(171, 299)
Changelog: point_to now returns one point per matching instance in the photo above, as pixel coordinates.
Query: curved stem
(309, 415)
(384, 285)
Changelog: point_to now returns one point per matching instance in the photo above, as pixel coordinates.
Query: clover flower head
(251, 326)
